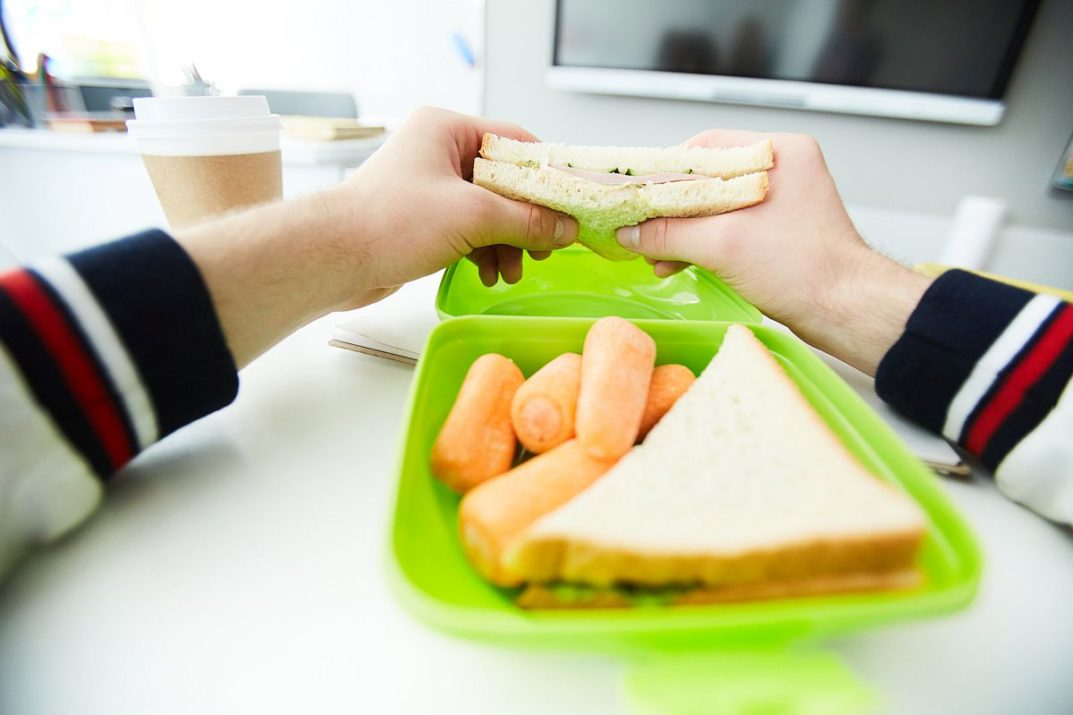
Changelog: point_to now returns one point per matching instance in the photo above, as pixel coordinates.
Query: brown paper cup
(208, 155)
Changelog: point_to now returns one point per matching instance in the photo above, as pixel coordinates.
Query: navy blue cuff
(958, 318)
(159, 305)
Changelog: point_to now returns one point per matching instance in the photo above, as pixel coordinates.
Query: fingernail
(560, 231)
(629, 236)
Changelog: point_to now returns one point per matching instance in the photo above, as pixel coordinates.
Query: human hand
(407, 212)
(417, 211)
(796, 256)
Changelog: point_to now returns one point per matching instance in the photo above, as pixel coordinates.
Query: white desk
(238, 567)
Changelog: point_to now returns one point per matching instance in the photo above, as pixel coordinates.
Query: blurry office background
(902, 179)
(393, 56)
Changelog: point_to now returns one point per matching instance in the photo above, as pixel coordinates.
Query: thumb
(668, 239)
(516, 223)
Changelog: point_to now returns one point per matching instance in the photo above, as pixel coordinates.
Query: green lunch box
(433, 579)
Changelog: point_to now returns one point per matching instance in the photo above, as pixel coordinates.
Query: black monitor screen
(957, 47)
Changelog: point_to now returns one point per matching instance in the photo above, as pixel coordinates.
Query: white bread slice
(725, 162)
(741, 482)
(600, 209)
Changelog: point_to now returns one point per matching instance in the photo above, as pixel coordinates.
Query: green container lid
(437, 583)
(576, 282)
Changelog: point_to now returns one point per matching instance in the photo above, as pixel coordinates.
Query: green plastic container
(749, 657)
(576, 282)
(435, 581)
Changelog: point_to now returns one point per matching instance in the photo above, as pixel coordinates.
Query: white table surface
(239, 567)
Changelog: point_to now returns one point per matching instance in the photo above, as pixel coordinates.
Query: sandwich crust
(562, 558)
(544, 597)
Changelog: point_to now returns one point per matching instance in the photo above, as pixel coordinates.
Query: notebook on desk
(396, 328)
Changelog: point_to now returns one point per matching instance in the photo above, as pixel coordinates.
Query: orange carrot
(616, 369)
(477, 441)
(543, 408)
(669, 382)
(497, 512)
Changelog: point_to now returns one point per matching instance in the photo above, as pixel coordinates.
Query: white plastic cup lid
(193, 126)
(192, 109)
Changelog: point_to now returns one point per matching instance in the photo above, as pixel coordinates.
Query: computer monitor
(947, 61)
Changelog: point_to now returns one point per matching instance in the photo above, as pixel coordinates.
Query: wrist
(334, 250)
(865, 309)
(351, 245)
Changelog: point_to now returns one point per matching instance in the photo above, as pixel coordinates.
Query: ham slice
(604, 177)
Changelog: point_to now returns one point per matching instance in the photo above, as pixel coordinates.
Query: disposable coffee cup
(208, 155)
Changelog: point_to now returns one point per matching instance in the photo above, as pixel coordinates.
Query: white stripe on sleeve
(93, 321)
(46, 488)
(998, 356)
(1038, 472)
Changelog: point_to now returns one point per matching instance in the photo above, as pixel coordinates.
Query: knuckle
(808, 145)
(417, 117)
(427, 112)
(481, 208)
(478, 203)
(700, 139)
(658, 238)
(539, 227)
(432, 116)
(732, 245)
(728, 223)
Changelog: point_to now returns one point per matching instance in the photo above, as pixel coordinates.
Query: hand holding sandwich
(797, 255)
(408, 212)
(413, 198)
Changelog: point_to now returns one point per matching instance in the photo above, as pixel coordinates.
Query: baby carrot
(543, 408)
(669, 382)
(477, 441)
(616, 369)
(494, 514)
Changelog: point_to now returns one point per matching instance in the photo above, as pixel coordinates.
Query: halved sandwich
(606, 188)
(742, 491)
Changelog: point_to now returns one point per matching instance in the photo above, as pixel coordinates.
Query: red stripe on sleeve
(75, 365)
(1031, 367)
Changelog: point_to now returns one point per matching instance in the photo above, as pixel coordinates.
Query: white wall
(394, 55)
(886, 167)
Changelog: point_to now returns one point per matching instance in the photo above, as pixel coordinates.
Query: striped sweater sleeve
(989, 366)
(102, 353)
